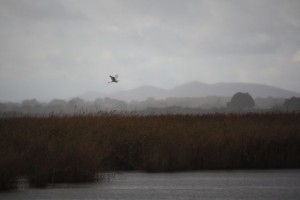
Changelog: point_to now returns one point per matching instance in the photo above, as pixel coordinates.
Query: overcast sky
(62, 48)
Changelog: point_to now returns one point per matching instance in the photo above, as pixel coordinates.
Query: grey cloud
(38, 10)
(231, 27)
(78, 43)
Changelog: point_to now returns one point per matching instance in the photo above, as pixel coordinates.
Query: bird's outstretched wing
(113, 79)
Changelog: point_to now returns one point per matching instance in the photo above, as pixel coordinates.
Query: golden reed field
(55, 149)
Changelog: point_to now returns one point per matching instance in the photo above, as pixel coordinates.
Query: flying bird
(114, 79)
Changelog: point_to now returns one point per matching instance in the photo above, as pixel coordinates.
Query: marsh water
(269, 184)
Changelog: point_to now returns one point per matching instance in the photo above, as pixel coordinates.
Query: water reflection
(277, 184)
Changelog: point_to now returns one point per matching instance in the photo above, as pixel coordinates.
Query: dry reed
(54, 149)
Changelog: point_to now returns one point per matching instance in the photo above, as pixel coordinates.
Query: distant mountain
(140, 93)
(192, 89)
(199, 89)
(91, 96)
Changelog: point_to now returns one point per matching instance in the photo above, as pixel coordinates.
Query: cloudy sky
(62, 48)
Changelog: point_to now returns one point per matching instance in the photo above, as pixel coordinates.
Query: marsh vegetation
(56, 149)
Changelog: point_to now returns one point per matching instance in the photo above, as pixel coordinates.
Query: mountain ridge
(200, 89)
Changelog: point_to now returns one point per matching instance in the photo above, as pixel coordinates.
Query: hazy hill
(199, 89)
(141, 93)
(91, 96)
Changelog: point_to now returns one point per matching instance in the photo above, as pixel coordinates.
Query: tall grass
(56, 149)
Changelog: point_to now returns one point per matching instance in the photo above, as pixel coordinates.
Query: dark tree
(292, 103)
(240, 101)
(31, 106)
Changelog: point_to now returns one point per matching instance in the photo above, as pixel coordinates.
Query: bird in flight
(114, 79)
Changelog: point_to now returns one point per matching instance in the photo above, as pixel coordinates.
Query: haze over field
(63, 48)
(198, 89)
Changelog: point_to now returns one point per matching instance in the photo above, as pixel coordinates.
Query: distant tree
(57, 105)
(3, 107)
(292, 103)
(76, 102)
(31, 106)
(269, 102)
(57, 102)
(114, 104)
(98, 102)
(240, 101)
(30, 103)
(75, 105)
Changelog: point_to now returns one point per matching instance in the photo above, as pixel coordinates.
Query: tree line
(191, 105)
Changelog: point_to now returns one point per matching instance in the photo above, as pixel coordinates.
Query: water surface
(270, 184)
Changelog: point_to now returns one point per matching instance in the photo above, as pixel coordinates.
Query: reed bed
(56, 149)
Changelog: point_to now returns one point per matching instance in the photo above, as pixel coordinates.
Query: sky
(63, 48)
